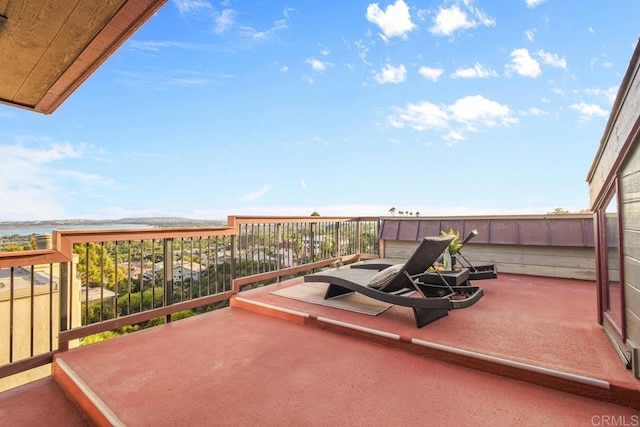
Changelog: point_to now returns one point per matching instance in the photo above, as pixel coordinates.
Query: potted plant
(449, 258)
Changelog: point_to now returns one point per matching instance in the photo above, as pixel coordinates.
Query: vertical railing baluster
(167, 280)
(141, 275)
(66, 277)
(215, 277)
(101, 281)
(337, 239)
(153, 273)
(86, 284)
(129, 281)
(32, 302)
(312, 241)
(191, 268)
(51, 307)
(11, 311)
(232, 272)
(280, 248)
(116, 285)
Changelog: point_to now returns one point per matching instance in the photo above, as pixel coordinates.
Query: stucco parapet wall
(570, 230)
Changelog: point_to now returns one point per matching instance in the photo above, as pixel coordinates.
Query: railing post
(168, 275)
(63, 296)
(312, 242)
(233, 272)
(336, 237)
(280, 250)
(358, 237)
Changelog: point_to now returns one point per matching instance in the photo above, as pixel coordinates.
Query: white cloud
(523, 64)
(186, 6)
(608, 94)
(254, 195)
(534, 3)
(477, 109)
(552, 59)
(589, 111)
(363, 49)
(251, 33)
(284, 69)
(477, 71)
(155, 46)
(420, 116)
(454, 18)
(534, 111)
(473, 113)
(530, 34)
(34, 182)
(391, 74)
(303, 184)
(224, 21)
(394, 21)
(454, 136)
(431, 73)
(316, 64)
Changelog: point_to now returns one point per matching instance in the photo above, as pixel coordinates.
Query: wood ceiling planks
(49, 47)
(81, 24)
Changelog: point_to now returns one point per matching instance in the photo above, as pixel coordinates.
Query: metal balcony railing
(115, 281)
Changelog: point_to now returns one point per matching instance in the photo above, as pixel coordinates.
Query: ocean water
(46, 230)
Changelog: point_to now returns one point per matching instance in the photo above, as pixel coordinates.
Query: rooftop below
(530, 352)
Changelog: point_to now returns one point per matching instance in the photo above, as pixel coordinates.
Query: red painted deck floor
(269, 360)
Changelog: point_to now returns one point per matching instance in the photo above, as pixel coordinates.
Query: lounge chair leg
(424, 316)
(335, 290)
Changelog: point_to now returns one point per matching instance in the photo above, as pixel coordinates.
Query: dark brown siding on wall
(408, 230)
(566, 232)
(533, 232)
(390, 231)
(481, 225)
(504, 231)
(530, 231)
(428, 228)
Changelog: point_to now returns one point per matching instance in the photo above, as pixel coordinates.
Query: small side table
(453, 278)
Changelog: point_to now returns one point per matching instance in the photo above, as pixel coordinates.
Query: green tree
(90, 270)
(392, 211)
(558, 211)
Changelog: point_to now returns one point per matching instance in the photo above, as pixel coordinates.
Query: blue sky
(447, 107)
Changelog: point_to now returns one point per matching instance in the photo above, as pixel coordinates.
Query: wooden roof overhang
(620, 134)
(48, 48)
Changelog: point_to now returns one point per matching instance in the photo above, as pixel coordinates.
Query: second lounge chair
(393, 283)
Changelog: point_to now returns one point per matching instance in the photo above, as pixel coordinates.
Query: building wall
(537, 245)
(42, 301)
(621, 124)
(564, 262)
(616, 167)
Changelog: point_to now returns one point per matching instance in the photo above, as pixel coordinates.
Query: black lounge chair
(479, 272)
(393, 283)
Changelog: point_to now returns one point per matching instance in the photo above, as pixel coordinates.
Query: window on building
(613, 285)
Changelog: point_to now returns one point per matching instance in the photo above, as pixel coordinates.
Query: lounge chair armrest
(473, 295)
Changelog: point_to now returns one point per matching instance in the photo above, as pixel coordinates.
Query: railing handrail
(37, 257)
(488, 217)
(249, 219)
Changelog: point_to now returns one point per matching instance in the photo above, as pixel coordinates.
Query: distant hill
(152, 221)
